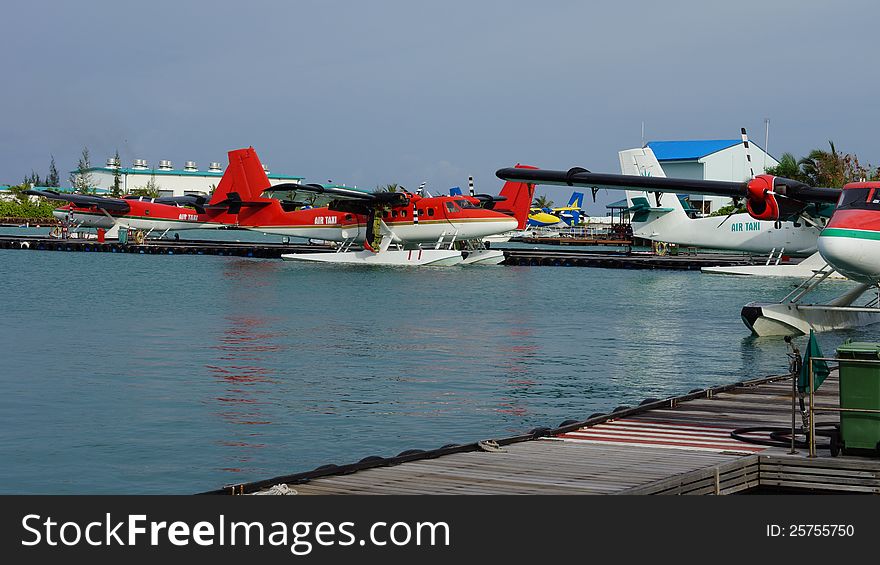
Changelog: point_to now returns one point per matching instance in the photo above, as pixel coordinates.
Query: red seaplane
(395, 228)
(849, 243)
(142, 214)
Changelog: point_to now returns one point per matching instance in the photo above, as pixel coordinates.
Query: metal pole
(794, 377)
(812, 415)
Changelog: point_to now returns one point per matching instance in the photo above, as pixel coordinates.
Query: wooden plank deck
(678, 447)
(619, 260)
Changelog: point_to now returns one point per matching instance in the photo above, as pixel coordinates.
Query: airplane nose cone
(854, 257)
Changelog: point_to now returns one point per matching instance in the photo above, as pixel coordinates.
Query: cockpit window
(464, 204)
(859, 199)
(451, 207)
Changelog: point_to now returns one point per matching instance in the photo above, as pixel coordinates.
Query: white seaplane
(849, 243)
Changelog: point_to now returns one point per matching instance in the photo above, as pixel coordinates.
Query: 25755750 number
(811, 530)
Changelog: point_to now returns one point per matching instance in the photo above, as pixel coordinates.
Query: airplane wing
(336, 192)
(767, 197)
(191, 200)
(84, 200)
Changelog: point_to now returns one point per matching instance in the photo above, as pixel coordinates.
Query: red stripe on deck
(642, 441)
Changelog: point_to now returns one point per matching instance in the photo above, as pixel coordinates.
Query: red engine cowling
(766, 198)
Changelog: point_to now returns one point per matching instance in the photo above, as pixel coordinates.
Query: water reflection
(244, 365)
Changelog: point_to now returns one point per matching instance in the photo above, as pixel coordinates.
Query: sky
(372, 93)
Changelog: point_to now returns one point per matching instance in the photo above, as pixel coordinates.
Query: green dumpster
(860, 388)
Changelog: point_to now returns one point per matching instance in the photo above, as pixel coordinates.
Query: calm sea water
(179, 374)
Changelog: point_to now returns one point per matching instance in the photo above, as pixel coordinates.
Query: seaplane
(664, 218)
(394, 228)
(849, 243)
(145, 215)
(672, 221)
(572, 212)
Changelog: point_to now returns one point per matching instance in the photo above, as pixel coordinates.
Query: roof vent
(112, 163)
(165, 165)
(215, 166)
(140, 164)
(190, 166)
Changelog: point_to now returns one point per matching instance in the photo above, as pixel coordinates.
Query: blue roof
(689, 150)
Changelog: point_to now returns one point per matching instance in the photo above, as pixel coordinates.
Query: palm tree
(393, 187)
(543, 202)
(788, 167)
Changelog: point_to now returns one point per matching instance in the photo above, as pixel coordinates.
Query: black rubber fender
(539, 432)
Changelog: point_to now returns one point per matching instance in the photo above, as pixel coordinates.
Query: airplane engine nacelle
(766, 198)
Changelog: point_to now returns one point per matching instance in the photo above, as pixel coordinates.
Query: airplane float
(849, 243)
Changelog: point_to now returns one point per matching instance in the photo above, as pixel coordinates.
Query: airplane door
(449, 210)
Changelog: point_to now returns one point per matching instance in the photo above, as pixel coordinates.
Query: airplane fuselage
(740, 232)
(851, 241)
(437, 216)
(142, 215)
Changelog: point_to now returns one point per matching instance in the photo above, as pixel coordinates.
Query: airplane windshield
(859, 199)
(464, 204)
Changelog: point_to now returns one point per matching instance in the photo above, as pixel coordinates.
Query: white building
(168, 180)
(710, 159)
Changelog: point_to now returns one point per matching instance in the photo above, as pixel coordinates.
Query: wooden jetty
(679, 445)
(513, 256)
(576, 241)
(161, 247)
(622, 260)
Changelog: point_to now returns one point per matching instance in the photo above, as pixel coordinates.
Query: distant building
(710, 159)
(168, 180)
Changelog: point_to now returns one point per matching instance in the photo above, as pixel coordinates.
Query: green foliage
(732, 209)
(542, 202)
(116, 189)
(824, 168)
(788, 168)
(393, 187)
(23, 207)
(33, 180)
(150, 190)
(81, 180)
(52, 178)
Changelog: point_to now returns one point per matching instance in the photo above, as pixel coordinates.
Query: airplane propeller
(745, 141)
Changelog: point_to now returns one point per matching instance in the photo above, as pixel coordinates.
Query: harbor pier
(676, 445)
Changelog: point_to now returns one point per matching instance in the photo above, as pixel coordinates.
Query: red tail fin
(519, 199)
(244, 175)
